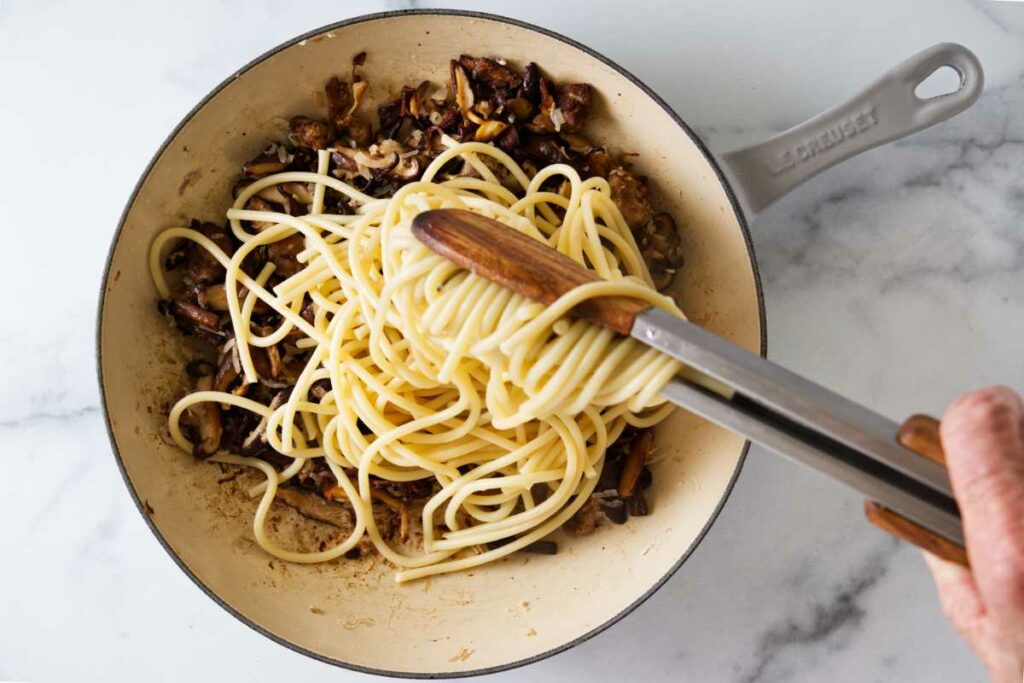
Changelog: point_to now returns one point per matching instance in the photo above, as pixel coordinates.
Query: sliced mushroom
(228, 367)
(360, 130)
(409, 168)
(509, 140)
(639, 451)
(489, 130)
(273, 159)
(339, 102)
(574, 101)
(283, 254)
(462, 92)
(343, 100)
(637, 505)
(274, 356)
(545, 149)
(599, 163)
(519, 108)
(585, 520)
(531, 83)
(206, 419)
(377, 161)
(192, 318)
(298, 192)
(543, 121)
(577, 144)
(492, 74)
(212, 298)
(201, 266)
(259, 204)
(345, 165)
(313, 506)
(256, 440)
(630, 194)
(307, 132)
(662, 248)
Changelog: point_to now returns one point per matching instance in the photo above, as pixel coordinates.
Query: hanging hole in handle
(943, 81)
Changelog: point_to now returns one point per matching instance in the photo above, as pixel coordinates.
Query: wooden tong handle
(498, 253)
(920, 434)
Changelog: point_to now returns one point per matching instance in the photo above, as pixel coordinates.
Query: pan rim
(207, 590)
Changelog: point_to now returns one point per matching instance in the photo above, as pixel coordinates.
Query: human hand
(983, 438)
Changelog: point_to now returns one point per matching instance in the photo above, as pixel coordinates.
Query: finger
(982, 437)
(957, 594)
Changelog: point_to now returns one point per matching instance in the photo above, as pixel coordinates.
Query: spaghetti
(435, 373)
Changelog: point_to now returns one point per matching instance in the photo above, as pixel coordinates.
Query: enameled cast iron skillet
(351, 613)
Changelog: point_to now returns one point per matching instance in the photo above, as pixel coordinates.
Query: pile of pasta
(435, 373)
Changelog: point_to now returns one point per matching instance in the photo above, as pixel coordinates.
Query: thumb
(982, 437)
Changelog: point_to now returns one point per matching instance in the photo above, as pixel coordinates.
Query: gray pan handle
(885, 110)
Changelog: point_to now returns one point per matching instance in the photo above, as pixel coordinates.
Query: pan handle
(885, 110)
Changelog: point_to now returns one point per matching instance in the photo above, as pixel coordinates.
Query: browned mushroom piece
(273, 159)
(313, 506)
(519, 108)
(630, 194)
(212, 297)
(191, 318)
(577, 143)
(489, 130)
(494, 75)
(390, 116)
(283, 254)
(360, 130)
(408, 168)
(509, 140)
(545, 149)
(531, 82)
(228, 367)
(206, 420)
(255, 441)
(636, 504)
(574, 101)
(274, 358)
(585, 520)
(662, 248)
(545, 119)
(344, 160)
(343, 100)
(339, 102)
(259, 204)
(599, 163)
(462, 92)
(307, 132)
(298, 195)
(639, 451)
(201, 266)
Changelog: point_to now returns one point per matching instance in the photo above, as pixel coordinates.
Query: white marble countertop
(895, 279)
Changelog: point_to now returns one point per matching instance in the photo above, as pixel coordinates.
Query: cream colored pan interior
(352, 612)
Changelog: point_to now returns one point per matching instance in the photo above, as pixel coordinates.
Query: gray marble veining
(895, 279)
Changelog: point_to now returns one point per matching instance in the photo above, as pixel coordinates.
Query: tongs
(899, 468)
